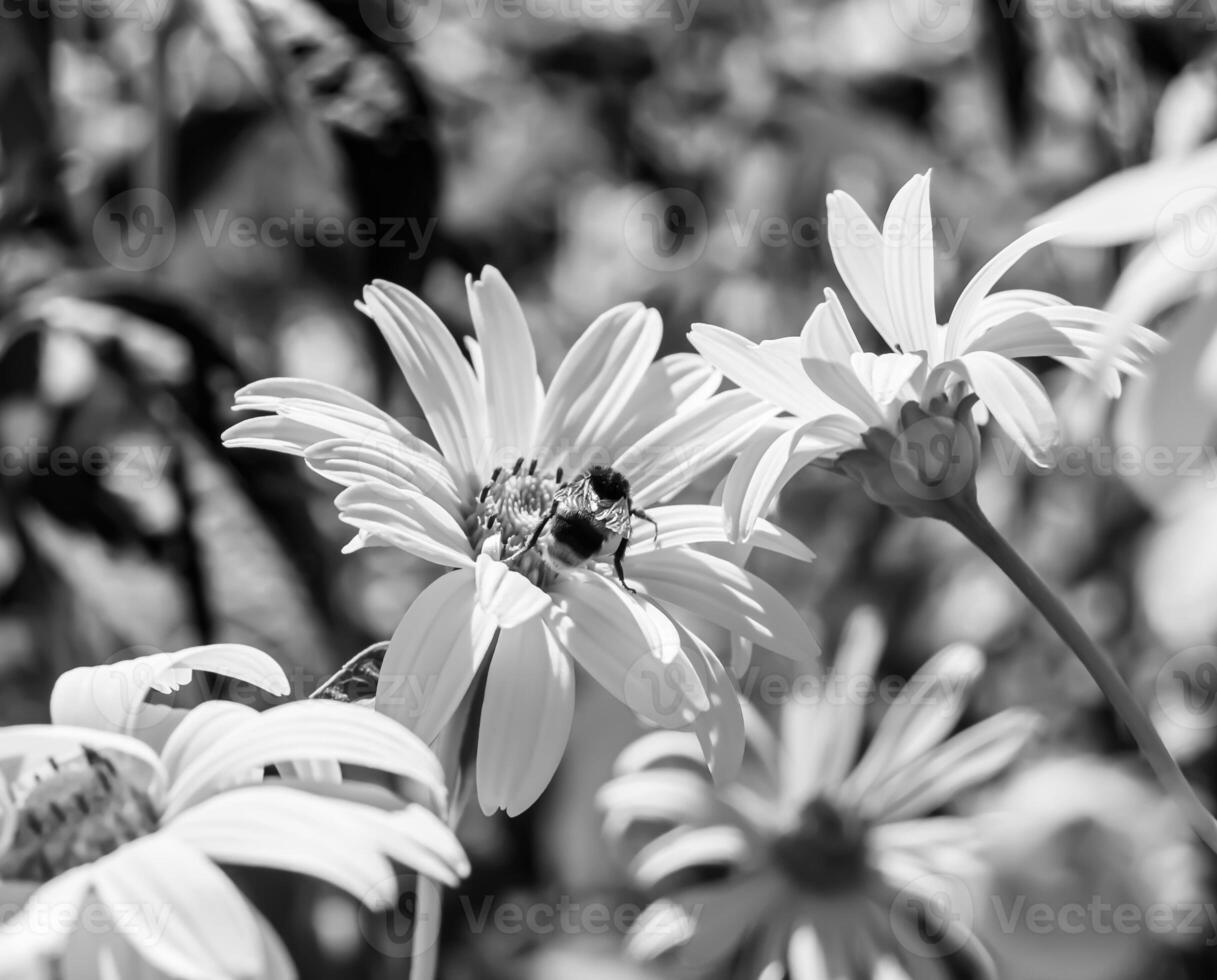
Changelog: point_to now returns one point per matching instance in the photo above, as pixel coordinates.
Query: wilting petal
(908, 265)
(1017, 400)
(726, 595)
(972, 757)
(630, 648)
(857, 251)
(669, 458)
(409, 521)
(509, 364)
(526, 718)
(594, 386)
(317, 729)
(925, 712)
(822, 727)
(434, 654)
(968, 306)
(686, 524)
(109, 696)
(505, 595)
(440, 379)
(172, 904)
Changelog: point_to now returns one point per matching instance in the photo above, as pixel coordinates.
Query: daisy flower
(825, 865)
(503, 445)
(115, 845)
(900, 422)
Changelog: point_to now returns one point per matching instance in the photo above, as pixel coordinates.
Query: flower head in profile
(824, 864)
(504, 443)
(902, 421)
(119, 814)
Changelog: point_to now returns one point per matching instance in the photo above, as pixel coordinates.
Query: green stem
(967, 517)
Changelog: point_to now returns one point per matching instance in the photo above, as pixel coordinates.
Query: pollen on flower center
(826, 851)
(71, 813)
(509, 507)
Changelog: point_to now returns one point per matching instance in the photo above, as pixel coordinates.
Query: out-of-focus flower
(1094, 874)
(113, 845)
(842, 400)
(503, 442)
(830, 865)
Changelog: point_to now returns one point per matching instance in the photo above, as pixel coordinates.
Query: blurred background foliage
(545, 138)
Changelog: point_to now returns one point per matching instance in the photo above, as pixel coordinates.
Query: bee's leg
(642, 515)
(536, 533)
(619, 567)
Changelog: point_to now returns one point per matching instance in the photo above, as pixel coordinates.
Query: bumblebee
(591, 517)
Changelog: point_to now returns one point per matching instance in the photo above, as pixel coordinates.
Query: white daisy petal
(805, 955)
(857, 250)
(273, 433)
(670, 457)
(672, 796)
(726, 595)
(928, 708)
(509, 364)
(968, 305)
(968, 759)
(720, 730)
(1016, 399)
(174, 902)
(505, 595)
(34, 744)
(888, 377)
(201, 727)
(689, 847)
(434, 655)
(526, 718)
(822, 728)
(765, 374)
(827, 347)
(406, 520)
(315, 729)
(1154, 280)
(709, 923)
(768, 463)
(440, 379)
(25, 939)
(630, 648)
(1025, 335)
(109, 696)
(686, 524)
(593, 387)
(908, 265)
(672, 384)
(349, 462)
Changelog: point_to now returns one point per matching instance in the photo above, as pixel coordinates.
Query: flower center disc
(510, 507)
(72, 813)
(826, 852)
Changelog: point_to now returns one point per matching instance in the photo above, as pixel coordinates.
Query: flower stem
(967, 518)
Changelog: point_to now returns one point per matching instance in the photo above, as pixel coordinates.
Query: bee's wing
(577, 495)
(616, 517)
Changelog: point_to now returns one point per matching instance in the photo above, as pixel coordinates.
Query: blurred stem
(967, 517)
